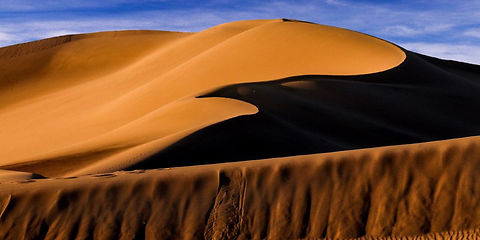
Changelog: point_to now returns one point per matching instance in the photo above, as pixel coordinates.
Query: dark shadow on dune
(423, 99)
(295, 20)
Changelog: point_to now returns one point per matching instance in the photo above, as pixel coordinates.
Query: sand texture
(259, 129)
(389, 191)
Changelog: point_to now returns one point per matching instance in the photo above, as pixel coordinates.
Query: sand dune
(42, 67)
(73, 111)
(334, 113)
(389, 191)
(260, 129)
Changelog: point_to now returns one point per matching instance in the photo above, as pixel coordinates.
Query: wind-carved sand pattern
(263, 129)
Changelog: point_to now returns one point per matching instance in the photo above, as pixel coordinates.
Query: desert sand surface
(259, 129)
(405, 190)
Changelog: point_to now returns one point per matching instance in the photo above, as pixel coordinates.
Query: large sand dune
(119, 97)
(81, 115)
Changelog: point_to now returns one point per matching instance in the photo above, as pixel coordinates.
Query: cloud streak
(464, 53)
(475, 32)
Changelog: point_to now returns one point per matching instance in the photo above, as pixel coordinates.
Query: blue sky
(447, 29)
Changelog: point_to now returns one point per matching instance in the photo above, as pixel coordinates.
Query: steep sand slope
(80, 99)
(423, 99)
(389, 191)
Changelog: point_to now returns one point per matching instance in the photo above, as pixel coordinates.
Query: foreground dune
(403, 190)
(262, 129)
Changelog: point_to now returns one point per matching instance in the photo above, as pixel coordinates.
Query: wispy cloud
(5, 37)
(474, 32)
(400, 30)
(412, 31)
(51, 5)
(464, 53)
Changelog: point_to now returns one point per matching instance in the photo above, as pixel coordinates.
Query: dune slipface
(262, 129)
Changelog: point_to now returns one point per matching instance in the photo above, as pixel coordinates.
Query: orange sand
(101, 96)
(80, 109)
(402, 190)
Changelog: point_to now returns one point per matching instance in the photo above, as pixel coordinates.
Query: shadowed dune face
(421, 100)
(93, 94)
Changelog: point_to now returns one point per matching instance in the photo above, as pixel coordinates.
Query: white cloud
(438, 28)
(6, 39)
(464, 53)
(402, 31)
(474, 32)
(33, 5)
(336, 2)
(411, 31)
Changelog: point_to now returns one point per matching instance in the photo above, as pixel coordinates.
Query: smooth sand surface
(94, 95)
(405, 190)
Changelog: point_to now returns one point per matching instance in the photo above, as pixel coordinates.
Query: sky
(448, 29)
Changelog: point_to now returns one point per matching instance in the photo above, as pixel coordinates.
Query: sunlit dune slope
(117, 95)
(37, 68)
(405, 190)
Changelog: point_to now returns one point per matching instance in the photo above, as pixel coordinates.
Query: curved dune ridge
(352, 136)
(102, 94)
(335, 113)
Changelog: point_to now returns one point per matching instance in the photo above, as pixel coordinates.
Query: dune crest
(95, 86)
